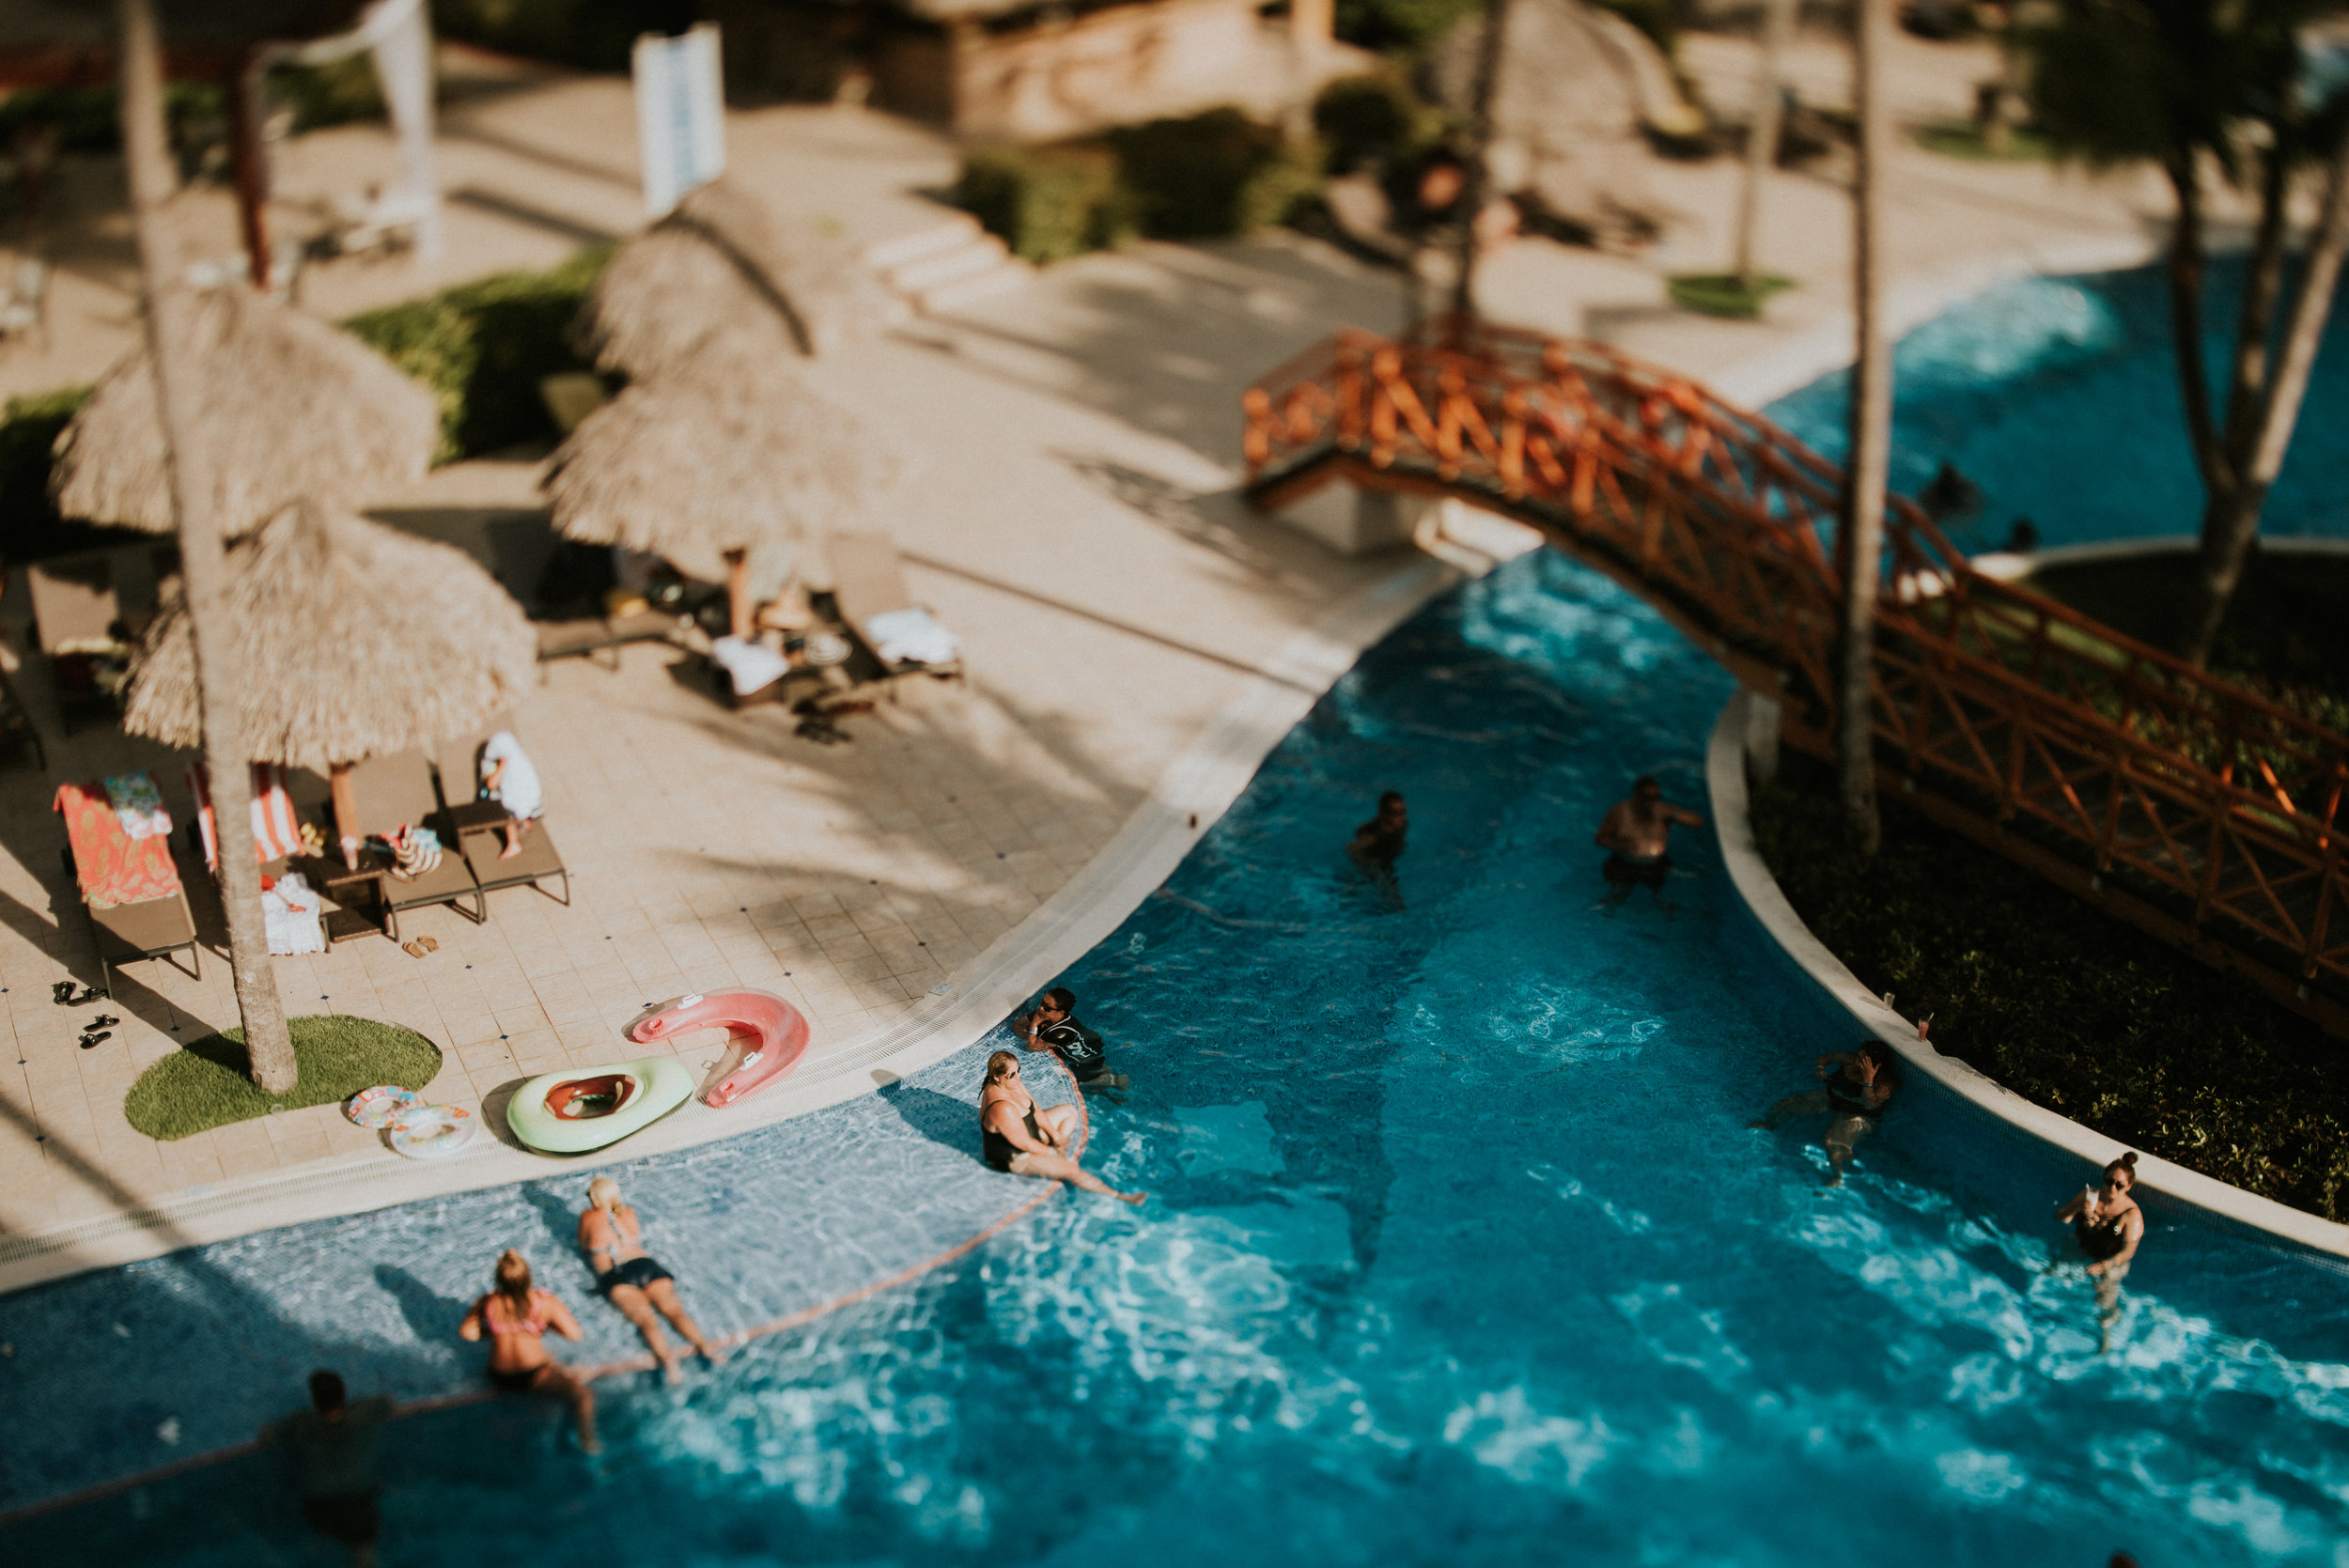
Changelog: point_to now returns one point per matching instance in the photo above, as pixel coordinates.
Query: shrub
(335, 93)
(2065, 1005)
(593, 35)
(1388, 25)
(1047, 203)
(484, 348)
(30, 527)
(1212, 174)
(1367, 120)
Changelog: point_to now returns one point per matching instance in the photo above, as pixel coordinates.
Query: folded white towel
(912, 636)
(752, 666)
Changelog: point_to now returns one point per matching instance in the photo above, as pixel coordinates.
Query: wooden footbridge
(2191, 807)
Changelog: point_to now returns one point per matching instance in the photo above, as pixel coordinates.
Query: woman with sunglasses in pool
(1021, 1140)
(2108, 1224)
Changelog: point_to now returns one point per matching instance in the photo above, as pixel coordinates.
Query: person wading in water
(2108, 1224)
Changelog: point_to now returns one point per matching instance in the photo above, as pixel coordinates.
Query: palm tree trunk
(1859, 545)
(203, 565)
(1479, 190)
(2230, 521)
(1762, 134)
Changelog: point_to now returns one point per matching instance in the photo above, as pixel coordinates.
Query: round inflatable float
(778, 1033)
(593, 1108)
(431, 1132)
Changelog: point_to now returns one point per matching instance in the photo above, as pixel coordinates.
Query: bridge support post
(1762, 730)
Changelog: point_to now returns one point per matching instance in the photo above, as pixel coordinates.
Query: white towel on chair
(752, 666)
(912, 636)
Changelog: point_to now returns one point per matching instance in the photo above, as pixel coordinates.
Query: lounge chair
(869, 592)
(77, 621)
(481, 824)
(390, 792)
(277, 843)
(130, 887)
(598, 636)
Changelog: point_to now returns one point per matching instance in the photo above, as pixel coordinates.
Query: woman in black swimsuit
(613, 1240)
(1021, 1140)
(2108, 1224)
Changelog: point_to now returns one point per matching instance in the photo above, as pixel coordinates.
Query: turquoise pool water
(1461, 1251)
(2058, 396)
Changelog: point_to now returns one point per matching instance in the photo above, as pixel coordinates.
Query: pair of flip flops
(421, 946)
(66, 994)
(99, 1030)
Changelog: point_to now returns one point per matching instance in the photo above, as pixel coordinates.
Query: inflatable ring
(380, 1106)
(434, 1131)
(778, 1033)
(591, 1107)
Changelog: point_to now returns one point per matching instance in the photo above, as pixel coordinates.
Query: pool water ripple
(1461, 1251)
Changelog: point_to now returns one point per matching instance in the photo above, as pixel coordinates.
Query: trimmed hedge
(1365, 121)
(1214, 174)
(484, 348)
(2064, 1004)
(30, 527)
(1047, 203)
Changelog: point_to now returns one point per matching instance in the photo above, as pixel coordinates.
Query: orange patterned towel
(113, 867)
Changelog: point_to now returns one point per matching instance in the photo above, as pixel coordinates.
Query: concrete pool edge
(2169, 1185)
(1195, 789)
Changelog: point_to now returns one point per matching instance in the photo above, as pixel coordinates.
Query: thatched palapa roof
(724, 263)
(292, 409)
(349, 638)
(735, 450)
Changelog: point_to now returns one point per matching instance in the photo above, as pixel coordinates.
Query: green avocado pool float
(589, 1108)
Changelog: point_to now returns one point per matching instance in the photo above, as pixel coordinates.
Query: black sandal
(89, 1040)
(105, 1020)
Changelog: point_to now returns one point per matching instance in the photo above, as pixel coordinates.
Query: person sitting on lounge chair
(508, 778)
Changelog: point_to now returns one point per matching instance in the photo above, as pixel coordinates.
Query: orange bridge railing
(2198, 809)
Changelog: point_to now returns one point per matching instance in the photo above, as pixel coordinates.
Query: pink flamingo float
(778, 1035)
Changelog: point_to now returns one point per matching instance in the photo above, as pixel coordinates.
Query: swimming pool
(2059, 396)
(1460, 1251)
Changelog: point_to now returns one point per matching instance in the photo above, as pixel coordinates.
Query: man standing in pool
(1378, 843)
(1054, 1026)
(333, 1448)
(1637, 836)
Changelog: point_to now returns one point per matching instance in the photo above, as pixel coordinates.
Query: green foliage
(1399, 25)
(30, 527)
(1047, 203)
(593, 35)
(1722, 294)
(1364, 121)
(2065, 1005)
(207, 1083)
(1211, 173)
(484, 348)
(336, 93)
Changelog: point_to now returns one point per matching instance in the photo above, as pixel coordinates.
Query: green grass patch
(206, 1083)
(1722, 294)
(2064, 1004)
(1961, 138)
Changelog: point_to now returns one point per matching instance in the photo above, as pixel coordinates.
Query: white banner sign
(680, 115)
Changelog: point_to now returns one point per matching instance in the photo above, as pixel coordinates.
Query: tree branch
(2186, 318)
(2247, 389)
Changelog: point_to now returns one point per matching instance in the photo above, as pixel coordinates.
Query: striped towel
(277, 833)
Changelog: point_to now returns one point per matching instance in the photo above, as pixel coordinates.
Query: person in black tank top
(1019, 1140)
(1054, 1026)
(2108, 1225)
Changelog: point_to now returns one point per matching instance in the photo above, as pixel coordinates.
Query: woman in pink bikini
(516, 1316)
